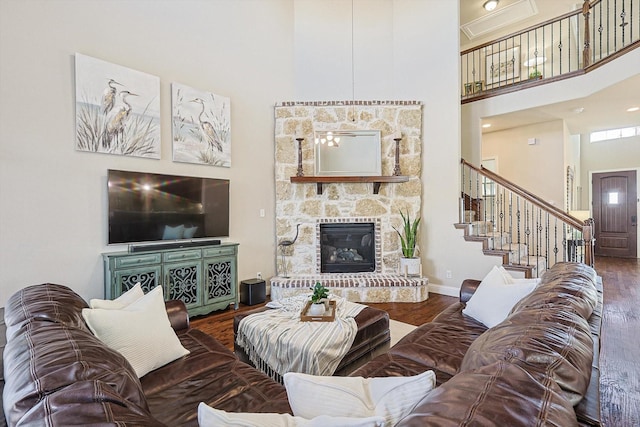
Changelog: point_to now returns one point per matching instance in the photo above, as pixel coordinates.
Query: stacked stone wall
(300, 204)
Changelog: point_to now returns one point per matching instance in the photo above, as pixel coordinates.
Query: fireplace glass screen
(347, 248)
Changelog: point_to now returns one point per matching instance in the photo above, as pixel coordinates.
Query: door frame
(637, 194)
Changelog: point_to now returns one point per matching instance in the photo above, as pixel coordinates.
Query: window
(606, 135)
(613, 198)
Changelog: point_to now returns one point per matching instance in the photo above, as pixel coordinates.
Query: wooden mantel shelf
(377, 180)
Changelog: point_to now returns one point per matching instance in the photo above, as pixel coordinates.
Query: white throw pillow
(211, 417)
(392, 398)
(132, 295)
(496, 295)
(141, 332)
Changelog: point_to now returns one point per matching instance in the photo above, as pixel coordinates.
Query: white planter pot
(316, 309)
(410, 267)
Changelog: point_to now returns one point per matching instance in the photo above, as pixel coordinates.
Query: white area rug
(398, 330)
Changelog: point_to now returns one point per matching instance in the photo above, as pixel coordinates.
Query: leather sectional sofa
(538, 367)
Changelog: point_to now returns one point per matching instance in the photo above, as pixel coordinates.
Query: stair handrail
(586, 226)
(530, 197)
(587, 12)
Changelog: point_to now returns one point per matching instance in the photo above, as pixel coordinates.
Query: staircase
(528, 234)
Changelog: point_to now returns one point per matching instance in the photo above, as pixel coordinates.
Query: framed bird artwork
(117, 109)
(201, 126)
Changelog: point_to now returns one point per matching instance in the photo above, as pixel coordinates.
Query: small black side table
(253, 291)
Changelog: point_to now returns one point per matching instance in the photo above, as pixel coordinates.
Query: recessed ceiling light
(486, 125)
(632, 109)
(490, 5)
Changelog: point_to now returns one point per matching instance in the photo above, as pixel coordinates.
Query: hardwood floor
(620, 343)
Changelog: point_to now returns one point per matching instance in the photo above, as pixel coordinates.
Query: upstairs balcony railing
(530, 233)
(569, 45)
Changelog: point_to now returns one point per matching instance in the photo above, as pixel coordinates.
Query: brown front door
(615, 213)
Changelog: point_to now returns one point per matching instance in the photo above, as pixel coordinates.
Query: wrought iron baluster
(519, 242)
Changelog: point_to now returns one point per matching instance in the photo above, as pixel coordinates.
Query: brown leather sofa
(58, 374)
(538, 367)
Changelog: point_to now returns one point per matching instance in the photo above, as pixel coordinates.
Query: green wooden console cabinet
(205, 278)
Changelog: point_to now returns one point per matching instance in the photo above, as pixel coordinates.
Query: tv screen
(148, 207)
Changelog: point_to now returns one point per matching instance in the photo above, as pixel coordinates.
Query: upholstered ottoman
(372, 339)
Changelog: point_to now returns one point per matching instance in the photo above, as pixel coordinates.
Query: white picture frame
(200, 126)
(117, 109)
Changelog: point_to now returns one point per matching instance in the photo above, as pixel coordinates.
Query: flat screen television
(149, 207)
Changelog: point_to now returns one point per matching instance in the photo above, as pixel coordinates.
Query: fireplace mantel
(377, 180)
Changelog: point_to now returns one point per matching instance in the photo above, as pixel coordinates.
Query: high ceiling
(603, 110)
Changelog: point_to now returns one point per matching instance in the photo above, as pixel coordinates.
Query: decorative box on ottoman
(252, 291)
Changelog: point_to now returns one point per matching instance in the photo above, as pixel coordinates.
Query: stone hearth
(358, 287)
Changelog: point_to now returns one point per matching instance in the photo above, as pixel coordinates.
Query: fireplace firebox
(347, 248)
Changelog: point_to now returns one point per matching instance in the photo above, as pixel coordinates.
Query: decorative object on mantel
(284, 244)
(409, 264)
(397, 137)
(117, 109)
(347, 153)
(300, 139)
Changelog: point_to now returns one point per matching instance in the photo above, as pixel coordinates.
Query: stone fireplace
(347, 247)
(339, 265)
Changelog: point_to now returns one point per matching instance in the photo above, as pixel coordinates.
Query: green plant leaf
(408, 237)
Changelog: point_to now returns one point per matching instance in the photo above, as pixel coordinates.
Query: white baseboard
(444, 290)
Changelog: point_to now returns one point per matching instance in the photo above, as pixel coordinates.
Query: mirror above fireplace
(347, 153)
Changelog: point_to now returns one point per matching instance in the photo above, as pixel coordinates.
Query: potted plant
(319, 300)
(535, 74)
(409, 263)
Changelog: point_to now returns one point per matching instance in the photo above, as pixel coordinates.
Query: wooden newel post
(396, 170)
(300, 172)
(586, 52)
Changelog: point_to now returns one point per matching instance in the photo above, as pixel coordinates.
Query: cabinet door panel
(149, 278)
(220, 279)
(181, 282)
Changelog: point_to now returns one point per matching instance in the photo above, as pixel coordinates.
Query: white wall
(406, 64)
(53, 225)
(540, 168)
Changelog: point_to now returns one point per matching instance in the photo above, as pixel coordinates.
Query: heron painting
(201, 126)
(117, 109)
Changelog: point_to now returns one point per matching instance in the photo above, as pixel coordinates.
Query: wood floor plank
(620, 341)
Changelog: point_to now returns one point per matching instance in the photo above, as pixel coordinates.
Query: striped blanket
(277, 342)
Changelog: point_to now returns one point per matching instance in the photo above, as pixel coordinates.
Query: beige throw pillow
(141, 332)
(211, 417)
(391, 398)
(132, 295)
(496, 295)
